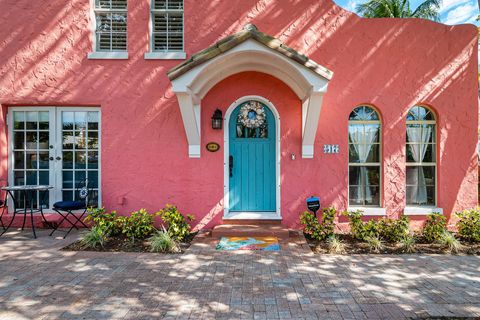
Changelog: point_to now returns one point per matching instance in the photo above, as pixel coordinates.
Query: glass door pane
(31, 140)
(80, 148)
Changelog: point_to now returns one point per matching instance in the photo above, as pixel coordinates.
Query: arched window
(421, 157)
(364, 132)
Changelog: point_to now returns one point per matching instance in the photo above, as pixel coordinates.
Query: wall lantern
(217, 120)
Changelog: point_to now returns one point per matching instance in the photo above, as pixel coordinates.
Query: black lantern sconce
(217, 120)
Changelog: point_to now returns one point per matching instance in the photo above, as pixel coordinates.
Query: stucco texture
(391, 64)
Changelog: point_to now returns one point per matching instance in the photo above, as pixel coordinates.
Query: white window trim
(114, 55)
(168, 55)
(420, 211)
(369, 211)
(103, 55)
(164, 55)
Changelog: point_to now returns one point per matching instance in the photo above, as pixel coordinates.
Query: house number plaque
(213, 146)
(330, 148)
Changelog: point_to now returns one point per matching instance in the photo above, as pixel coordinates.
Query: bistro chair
(65, 208)
(3, 202)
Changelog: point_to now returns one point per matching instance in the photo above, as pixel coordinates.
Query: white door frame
(52, 153)
(226, 176)
(58, 138)
(55, 175)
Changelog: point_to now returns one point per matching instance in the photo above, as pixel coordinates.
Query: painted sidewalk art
(249, 243)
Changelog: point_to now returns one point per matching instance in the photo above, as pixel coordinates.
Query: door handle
(51, 158)
(230, 166)
(58, 158)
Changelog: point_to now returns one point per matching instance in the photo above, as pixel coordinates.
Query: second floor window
(167, 26)
(110, 25)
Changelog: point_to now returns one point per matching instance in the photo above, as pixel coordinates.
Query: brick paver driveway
(39, 281)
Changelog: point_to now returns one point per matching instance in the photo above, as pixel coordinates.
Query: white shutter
(111, 19)
(167, 25)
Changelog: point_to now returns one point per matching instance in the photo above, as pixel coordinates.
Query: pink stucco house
(238, 109)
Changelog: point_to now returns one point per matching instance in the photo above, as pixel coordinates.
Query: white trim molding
(420, 211)
(226, 153)
(165, 56)
(251, 56)
(111, 55)
(369, 211)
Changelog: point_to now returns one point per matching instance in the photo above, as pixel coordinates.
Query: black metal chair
(3, 202)
(65, 208)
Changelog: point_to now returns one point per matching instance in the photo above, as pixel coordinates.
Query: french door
(58, 146)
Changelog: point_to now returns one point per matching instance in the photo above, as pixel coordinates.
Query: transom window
(167, 25)
(421, 157)
(364, 132)
(110, 25)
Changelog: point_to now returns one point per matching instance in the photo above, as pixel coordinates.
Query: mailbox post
(313, 204)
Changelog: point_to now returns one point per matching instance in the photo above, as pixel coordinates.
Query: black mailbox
(313, 204)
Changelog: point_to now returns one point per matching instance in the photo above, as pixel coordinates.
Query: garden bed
(122, 244)
(353, 246)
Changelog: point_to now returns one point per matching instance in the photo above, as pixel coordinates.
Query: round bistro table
(29, 192)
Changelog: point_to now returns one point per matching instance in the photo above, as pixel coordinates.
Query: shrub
(408, 244)
(178, 228)
(328, 221)
(469, 224)
(107, 222)
(311, 226)
(335, 245)
(390, 230)
(95, 237)
(362, 230)
(316, 230)
(374, 244)
(394, 230)
(435, 226)
(161, 241)
(138, 225)
(449, 241)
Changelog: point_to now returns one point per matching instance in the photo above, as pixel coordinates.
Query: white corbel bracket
(190, 110)
(311, 107)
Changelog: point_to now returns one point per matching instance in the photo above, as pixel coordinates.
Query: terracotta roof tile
(250, 31)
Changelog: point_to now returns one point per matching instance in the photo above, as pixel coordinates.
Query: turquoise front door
(252, 169)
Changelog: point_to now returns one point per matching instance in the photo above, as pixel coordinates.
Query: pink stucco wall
(389, 63)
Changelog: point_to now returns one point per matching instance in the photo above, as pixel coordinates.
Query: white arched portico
(249, 50)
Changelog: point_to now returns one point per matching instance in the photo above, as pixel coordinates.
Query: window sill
(108, 55)
(165, 55)
(369, 211)
(421, 211)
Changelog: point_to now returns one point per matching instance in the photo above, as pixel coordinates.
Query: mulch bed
(353, 246)
(121, 244)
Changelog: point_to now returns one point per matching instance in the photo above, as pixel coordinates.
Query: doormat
(249, 243)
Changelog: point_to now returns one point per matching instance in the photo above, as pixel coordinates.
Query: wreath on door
(252, 115)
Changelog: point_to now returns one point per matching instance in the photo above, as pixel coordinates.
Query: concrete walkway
(37, 281)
